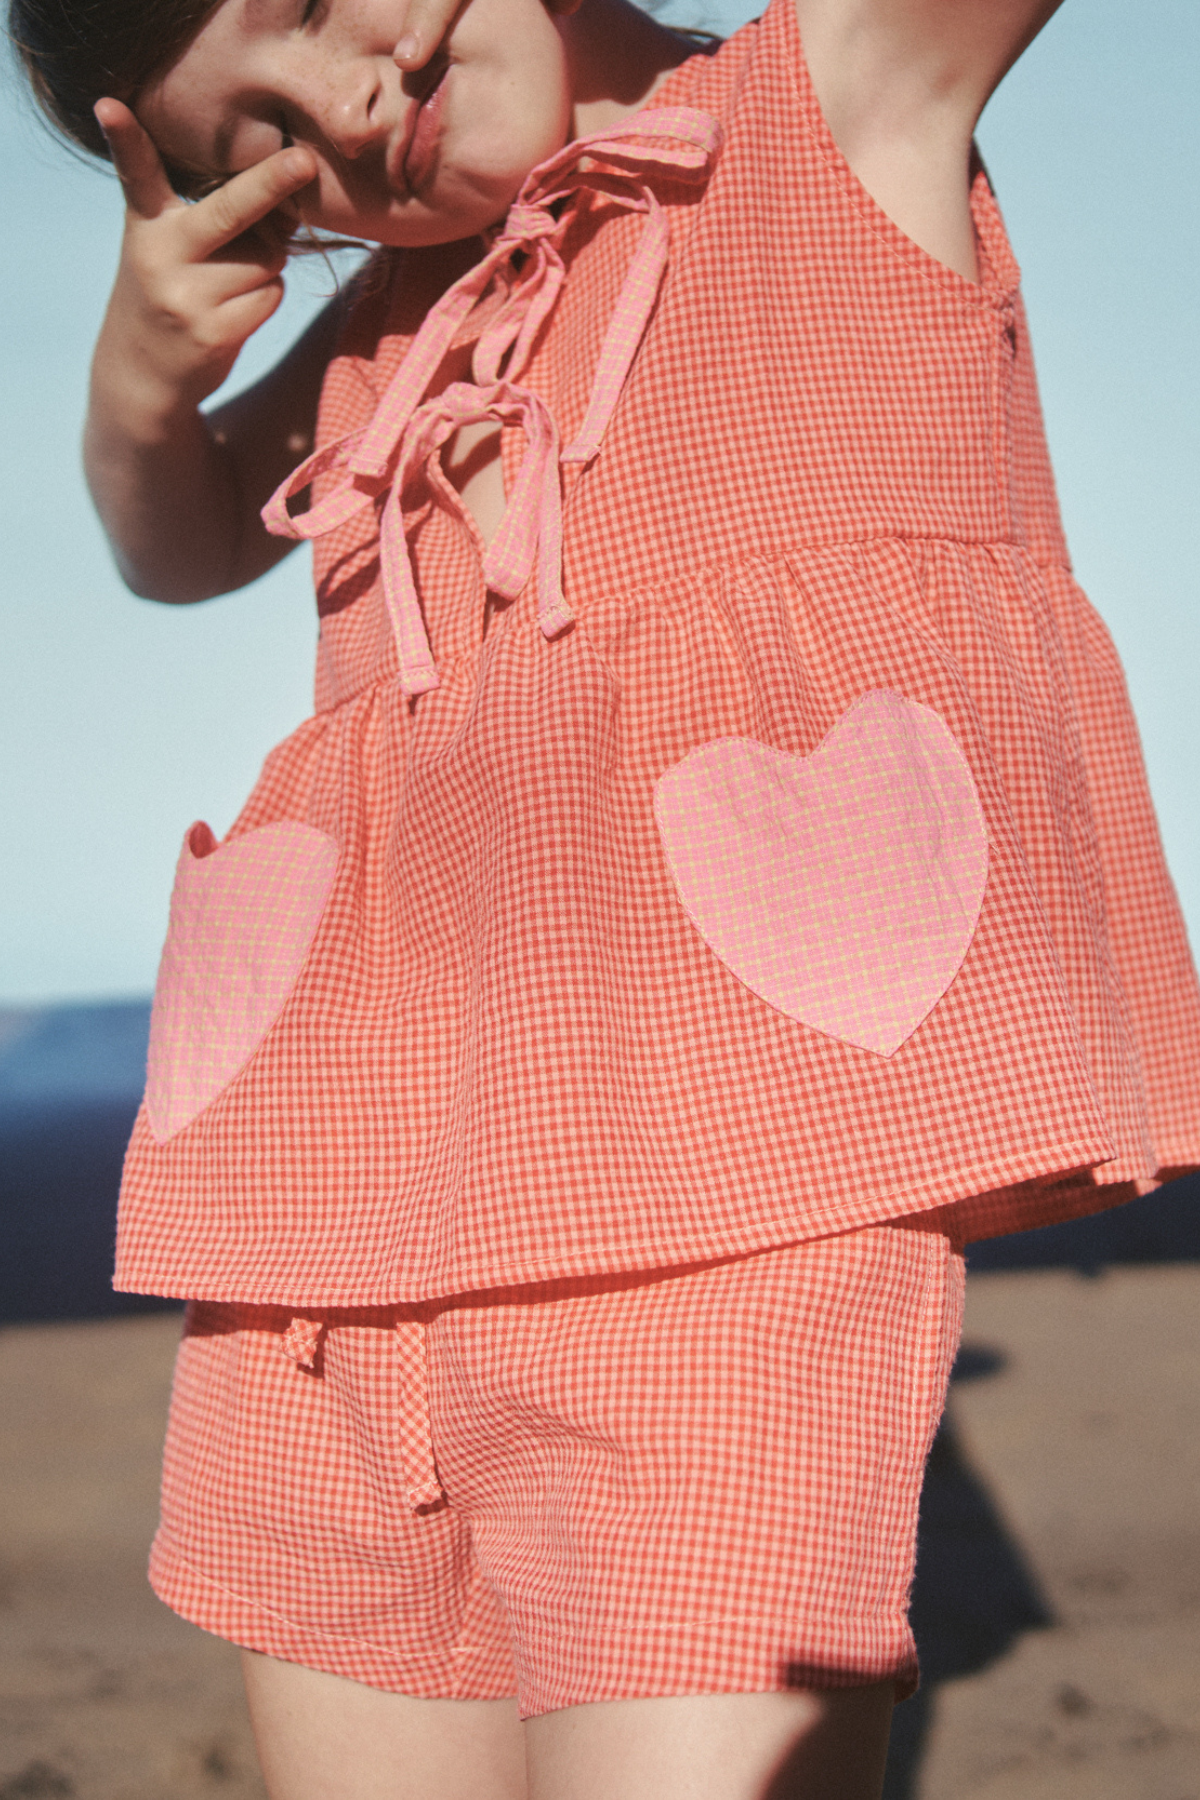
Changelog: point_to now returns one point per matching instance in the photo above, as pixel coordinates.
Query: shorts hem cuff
(461, 1673)
(713, 1656)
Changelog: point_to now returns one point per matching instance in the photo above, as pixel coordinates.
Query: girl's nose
(352, 118)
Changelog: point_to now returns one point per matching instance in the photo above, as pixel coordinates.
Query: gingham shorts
(691, 1481)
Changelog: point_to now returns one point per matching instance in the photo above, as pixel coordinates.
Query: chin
(418, 228)
(411, 224)
(465, 212)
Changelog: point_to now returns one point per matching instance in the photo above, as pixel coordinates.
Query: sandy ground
(1089, 1440)
(1080, 1428)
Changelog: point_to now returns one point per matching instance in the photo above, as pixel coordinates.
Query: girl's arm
(178, 491)
(891, 63)
(902, 84)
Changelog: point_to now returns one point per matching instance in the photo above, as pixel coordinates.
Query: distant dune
(55, 1053)
(71, 1078)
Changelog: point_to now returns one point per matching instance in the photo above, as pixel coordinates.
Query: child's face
(403, 159)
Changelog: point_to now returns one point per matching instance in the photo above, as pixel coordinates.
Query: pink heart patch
(843, 888)
(242, 919)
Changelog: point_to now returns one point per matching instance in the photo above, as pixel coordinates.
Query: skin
(305, 119)
(324, 1738)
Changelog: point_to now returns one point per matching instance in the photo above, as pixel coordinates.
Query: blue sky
(121, 721)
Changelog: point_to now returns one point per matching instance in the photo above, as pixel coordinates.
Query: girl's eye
(287, 140)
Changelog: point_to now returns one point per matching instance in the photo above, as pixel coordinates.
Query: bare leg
(322, 1738)
(797, 1746)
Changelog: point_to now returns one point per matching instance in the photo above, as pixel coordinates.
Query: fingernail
(407, 48)
(299, 164)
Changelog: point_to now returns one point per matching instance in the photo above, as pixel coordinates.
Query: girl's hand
(426, 24)
(428, 21)
(195, 280)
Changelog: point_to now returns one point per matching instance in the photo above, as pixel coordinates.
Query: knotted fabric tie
(405, 434)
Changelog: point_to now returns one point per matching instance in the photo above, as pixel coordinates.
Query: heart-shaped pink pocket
(844, 887)
(242, 919)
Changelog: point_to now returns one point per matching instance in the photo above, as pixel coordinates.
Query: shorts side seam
(935, 1311)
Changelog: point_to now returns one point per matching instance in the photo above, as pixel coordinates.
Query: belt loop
(420, 1471)
(302, 1340)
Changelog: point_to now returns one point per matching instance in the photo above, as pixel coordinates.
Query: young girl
(718, 880)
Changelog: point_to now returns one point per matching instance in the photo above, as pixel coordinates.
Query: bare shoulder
(902, 84)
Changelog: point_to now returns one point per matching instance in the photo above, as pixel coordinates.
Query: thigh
(799, 1746)
(321, 1737)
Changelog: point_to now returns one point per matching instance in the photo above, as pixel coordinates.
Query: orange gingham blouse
(789, 867)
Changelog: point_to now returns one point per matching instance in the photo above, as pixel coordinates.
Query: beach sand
(1077, 1434)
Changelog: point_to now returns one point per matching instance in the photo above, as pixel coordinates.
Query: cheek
(502, 129)
(325, 206)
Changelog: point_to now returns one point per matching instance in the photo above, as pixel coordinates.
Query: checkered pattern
(701, 1482)
(844, 888)
(242, 920)
(510, 1055)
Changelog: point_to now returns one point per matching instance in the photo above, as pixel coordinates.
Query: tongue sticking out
(422, 149)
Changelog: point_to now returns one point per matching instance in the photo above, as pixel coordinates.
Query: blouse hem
(1024, 1193)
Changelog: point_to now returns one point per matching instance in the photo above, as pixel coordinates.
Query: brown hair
(75, 51)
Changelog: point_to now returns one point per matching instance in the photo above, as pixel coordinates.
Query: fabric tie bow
(405, 433)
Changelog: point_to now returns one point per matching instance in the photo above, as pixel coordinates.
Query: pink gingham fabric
(406, 432)
(844, 888)
(512, 1054)
(572, 1493)
(242, 919)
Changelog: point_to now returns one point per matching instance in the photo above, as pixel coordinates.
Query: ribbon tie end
(420, 680)
(555, 618)
(581, 451)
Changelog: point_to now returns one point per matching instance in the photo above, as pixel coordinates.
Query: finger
(136, 160)
(265, 246)
(217, 292)
(256, 256)
(246, 199)
(426, 24)
(248, 261)
(242, 314)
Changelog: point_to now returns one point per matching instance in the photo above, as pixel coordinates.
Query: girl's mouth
(421, 153)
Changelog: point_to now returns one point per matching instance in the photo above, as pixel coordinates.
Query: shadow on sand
(70, 1080)
(974, 1593)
